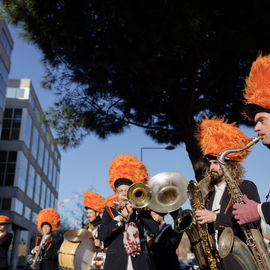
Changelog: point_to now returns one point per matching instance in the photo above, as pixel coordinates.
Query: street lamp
(169, 147)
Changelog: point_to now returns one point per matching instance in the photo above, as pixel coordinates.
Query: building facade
(29, 166)
(6, 46)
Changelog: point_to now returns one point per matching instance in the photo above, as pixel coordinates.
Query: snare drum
(76, 255)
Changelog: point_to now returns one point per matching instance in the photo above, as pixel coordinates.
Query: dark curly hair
(236, 169)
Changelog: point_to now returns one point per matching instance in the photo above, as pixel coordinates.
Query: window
(40, 152)
(34, 148)
(11, 124)
(48, 197)
(37, 188)
(52, 200)
(17, 206)
(27, 213)
(46, 156)
(31, 180)
(5, 43)
(23, 162)
(34, 217)
(5, 204)
(28, 130)
(15, 92)
(7, 168)
(43, 195)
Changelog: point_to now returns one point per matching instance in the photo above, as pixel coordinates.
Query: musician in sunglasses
(257, 109)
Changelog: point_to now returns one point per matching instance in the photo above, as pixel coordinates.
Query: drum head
(84, 255)
(77, 235)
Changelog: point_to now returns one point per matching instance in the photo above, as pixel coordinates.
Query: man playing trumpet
(122, 227)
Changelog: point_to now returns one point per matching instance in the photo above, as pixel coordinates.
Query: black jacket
(226, 219)
(266, 211)
(5, 241)
(112, 236)
(50, 257)
(163, 248)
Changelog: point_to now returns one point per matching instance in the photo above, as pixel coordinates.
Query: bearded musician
(215, 135)
(46, 245)
(123, 227)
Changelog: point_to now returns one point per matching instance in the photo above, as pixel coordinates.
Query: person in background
(94, 205)
(122, 227)
(163, 245)
(214, 136)
(5, 241)
(257, 109)
(46, 245)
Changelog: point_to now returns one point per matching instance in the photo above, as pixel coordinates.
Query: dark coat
(163, 248)
(50, 257)
(266, 211)
(5, 241)
(226, 219)
(112, 236)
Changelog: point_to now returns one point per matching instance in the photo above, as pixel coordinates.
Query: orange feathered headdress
(109, 201)
(4, 219)
(94, 201)
(129, 167)
(215, 135)
(257, 90)
(50, 216)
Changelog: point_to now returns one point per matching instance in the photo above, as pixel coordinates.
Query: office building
(29, 165)
(6, 46)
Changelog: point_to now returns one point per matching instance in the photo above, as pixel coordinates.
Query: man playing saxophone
(257, 109)
(214, 136)
(44, 248)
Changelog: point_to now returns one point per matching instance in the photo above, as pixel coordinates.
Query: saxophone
(201, 241)
(253, 237)
(39, 255)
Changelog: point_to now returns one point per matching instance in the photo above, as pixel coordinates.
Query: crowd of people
(125, 237)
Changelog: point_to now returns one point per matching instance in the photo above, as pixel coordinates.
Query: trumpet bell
(139, 195)
(169, 191)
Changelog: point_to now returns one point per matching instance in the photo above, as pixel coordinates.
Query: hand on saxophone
(205, 216)
(246, 213)
(35, 249)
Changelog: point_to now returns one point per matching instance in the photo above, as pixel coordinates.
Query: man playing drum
(94, 205)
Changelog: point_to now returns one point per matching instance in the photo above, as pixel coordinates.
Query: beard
(216, 178)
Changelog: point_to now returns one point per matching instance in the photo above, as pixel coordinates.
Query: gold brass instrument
(253, 237)
(201, 241)
(139, 195)
(165, 192)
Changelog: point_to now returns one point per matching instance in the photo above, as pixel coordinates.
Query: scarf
(131, 239)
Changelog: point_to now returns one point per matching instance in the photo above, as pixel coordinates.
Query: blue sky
(87, 165)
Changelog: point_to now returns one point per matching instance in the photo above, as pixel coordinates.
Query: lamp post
(169, 147)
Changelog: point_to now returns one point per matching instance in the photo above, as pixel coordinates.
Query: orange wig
(257, 90)
(109, 201)
(94, 201)
(129, 167)
(215, 135)
(50, 216)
